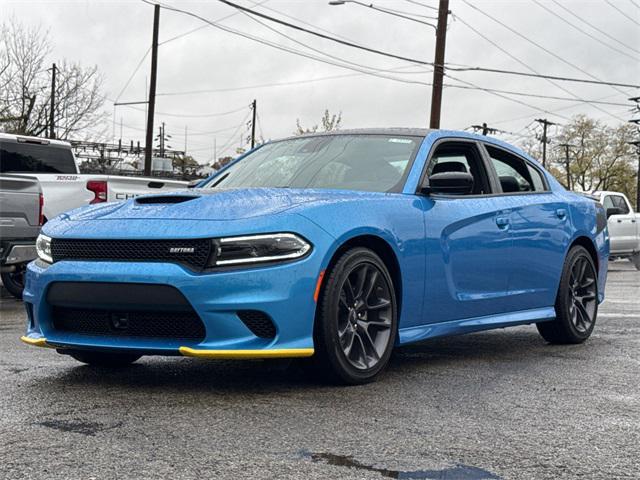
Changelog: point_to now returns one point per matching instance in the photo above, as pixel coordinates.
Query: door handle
(561, 213)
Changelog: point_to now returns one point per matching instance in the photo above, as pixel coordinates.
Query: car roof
(28, 139)
(410, 132)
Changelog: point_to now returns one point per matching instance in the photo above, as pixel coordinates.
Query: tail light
(99, 189)
(41, 212)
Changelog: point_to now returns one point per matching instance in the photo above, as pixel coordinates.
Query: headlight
(43, 247)
(258, 249)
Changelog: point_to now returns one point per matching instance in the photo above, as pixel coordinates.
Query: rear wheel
(635, 259)
(576, 301)
(14, 281)
(104, 359)
(356, 325)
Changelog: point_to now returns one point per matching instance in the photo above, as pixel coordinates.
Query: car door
(540, 229)
(622, 227)
(467, 244)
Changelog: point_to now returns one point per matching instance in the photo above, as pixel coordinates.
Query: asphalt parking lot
(500, 404)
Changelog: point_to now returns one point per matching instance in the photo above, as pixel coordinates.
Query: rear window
(30, 158)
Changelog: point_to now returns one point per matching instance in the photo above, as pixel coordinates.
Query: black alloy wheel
(576, 301)
(14, 281)
(357, 320)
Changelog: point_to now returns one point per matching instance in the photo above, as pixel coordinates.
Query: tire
(576, 301)
(635, 259)
(14, 281)
(103, 359)
(356, 322)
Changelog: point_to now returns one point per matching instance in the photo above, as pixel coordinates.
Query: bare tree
(25, 86)
(328, 122)
(600, 157)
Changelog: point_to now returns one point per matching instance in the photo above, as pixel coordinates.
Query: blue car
(335, 246)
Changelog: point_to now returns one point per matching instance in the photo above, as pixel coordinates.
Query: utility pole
(152, 91)
(438, 64)
(545, 124)
(254, 105)
(52, 108)
(567, 163)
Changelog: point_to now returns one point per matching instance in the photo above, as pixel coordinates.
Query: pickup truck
(624, 225)
(21, 217)
(64, 188)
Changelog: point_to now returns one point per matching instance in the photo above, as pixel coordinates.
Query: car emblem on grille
(182, 250)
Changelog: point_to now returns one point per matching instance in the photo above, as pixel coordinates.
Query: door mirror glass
(613, 211)
(450, 183)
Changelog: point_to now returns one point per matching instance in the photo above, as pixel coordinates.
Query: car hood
(211, 204)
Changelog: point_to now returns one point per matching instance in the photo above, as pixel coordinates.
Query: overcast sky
(232, 71)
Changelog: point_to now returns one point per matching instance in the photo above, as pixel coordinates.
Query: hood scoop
(165, 199)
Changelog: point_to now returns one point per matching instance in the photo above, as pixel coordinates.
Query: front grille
(258, 322)
(184, 325)
(192, 253)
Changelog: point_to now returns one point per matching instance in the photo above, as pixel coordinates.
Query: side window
(513, 172)
(537, 179)
(460, 157)
(619, 202)
(608, 203)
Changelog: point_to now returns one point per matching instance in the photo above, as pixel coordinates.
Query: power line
(546, 50)
(537, 2)
(622, 12)
(322, 35)
(521, 62)
(133, 74)
(288, 49)
(603, 32)
(302, 44)
(463, 68)
(411, 60)
(421, 4)
(189, 32)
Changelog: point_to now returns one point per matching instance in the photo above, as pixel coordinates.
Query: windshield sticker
(400, 140)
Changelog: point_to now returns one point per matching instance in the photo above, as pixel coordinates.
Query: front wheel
(104, 359)
(356, 324)
(576, 302)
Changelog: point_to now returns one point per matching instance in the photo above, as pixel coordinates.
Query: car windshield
(375, 163)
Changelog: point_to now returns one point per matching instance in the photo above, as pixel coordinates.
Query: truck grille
(185, 325)
(192, 253)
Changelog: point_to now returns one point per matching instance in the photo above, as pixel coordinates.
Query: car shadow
(436, 358)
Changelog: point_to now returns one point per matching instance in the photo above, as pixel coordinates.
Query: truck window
(620, 203)
(30, 158)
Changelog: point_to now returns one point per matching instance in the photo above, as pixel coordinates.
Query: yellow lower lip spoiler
(36, 342)
(247, 354)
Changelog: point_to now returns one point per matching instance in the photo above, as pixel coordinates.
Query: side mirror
(613, 211)
(450, 183)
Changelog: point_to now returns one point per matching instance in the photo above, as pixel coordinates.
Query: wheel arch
(588, 244)
(380, 247)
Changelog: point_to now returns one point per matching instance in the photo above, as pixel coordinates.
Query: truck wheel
(576, 301)
(635, 259)
(14, 281)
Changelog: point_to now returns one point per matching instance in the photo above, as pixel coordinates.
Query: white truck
(63, 186)
(624, 225)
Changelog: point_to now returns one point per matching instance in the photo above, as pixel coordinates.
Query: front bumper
(284, 292)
